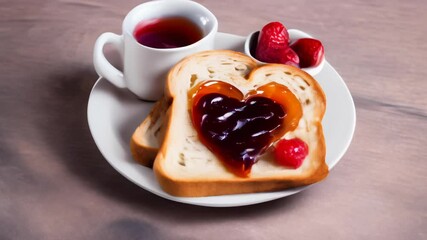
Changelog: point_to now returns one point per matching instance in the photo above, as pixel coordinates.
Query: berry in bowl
(276, 44)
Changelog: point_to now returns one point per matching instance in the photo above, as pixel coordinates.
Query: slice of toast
(149, 135)
(186, 167)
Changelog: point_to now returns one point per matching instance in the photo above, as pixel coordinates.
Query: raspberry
(291, 153)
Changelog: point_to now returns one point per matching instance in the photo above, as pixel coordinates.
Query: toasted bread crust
(317, 170)
(144, 151)
(208, 187)
(143, 154)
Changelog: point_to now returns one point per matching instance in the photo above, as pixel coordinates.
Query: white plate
(113, 115)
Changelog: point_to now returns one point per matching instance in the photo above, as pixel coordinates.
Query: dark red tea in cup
(171, 32)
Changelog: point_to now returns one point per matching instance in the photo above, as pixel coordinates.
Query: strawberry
(291, 153)
(309, 50)
(288, 56)
(273, 37)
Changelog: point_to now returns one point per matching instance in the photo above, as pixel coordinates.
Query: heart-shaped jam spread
(238, 128)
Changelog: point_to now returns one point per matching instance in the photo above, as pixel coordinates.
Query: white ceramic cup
(145, 68)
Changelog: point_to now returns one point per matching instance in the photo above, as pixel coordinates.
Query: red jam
(237, 128)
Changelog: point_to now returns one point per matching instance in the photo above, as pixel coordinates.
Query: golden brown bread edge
(142, 153)
(201, 188)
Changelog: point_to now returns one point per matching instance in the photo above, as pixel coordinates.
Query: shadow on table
(69, 135)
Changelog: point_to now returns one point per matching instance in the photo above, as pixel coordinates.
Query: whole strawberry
(288, 56)
(309, 50)
(273, 37)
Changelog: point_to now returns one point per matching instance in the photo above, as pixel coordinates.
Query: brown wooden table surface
(55, 184)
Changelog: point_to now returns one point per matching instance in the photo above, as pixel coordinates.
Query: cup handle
(102, 66)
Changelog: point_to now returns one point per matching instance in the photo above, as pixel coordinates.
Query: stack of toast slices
(168, 141)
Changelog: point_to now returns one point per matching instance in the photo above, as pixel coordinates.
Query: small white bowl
(294, 34)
